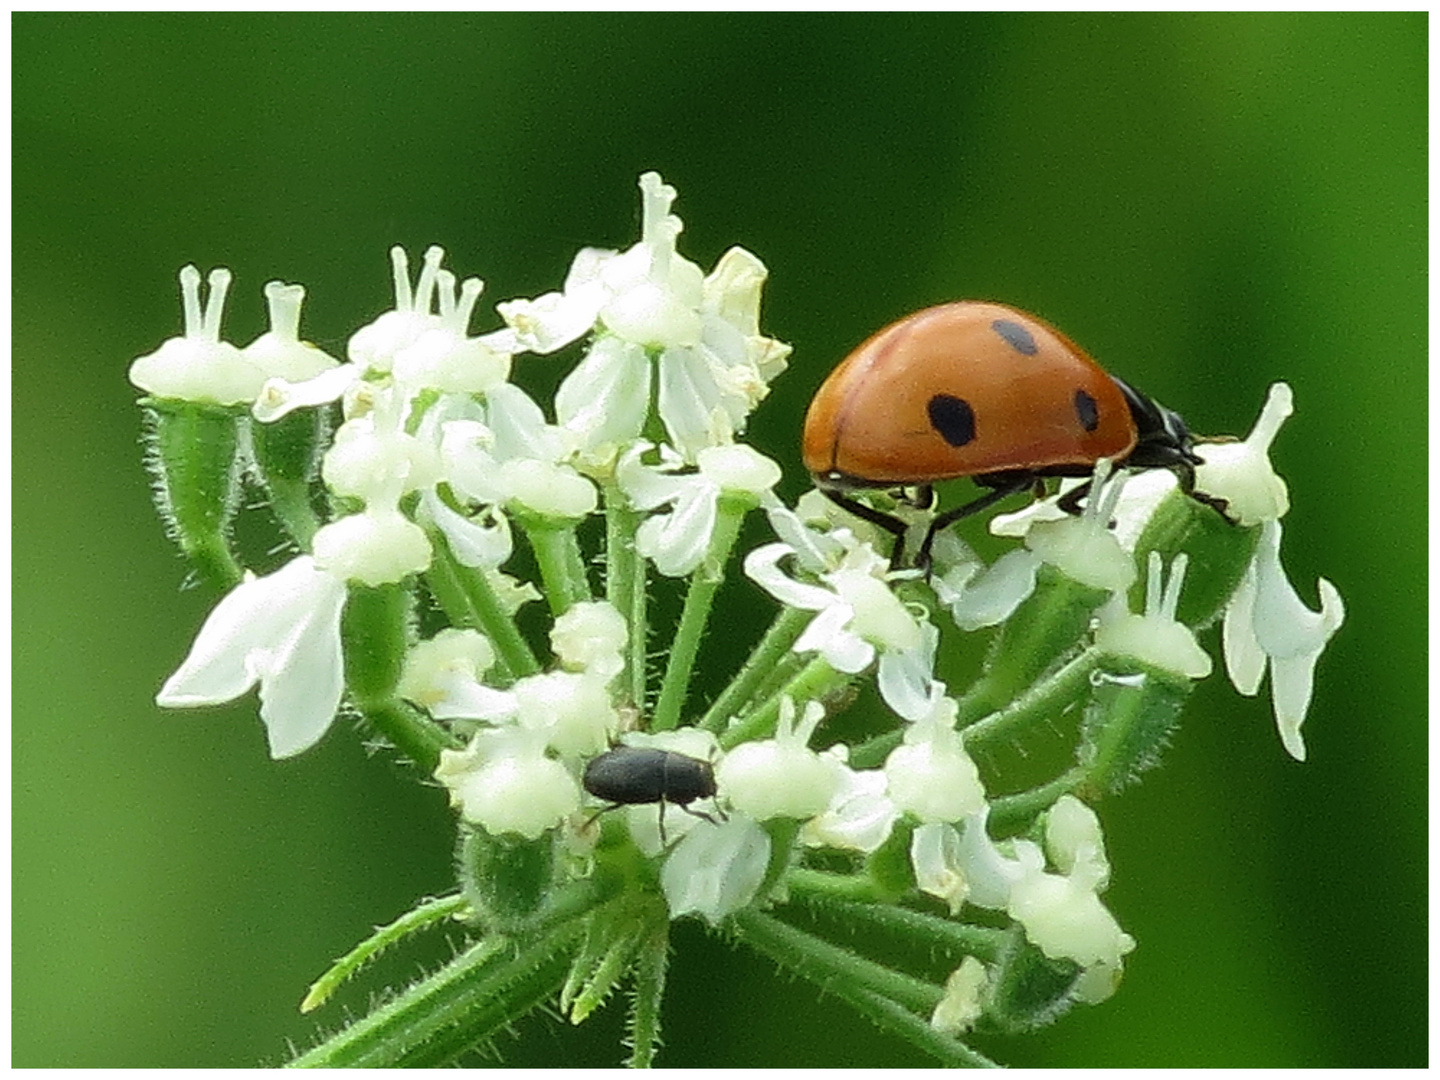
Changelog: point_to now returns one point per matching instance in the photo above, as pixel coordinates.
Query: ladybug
(985, 391)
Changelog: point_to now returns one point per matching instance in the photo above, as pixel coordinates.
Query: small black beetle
(631, 775)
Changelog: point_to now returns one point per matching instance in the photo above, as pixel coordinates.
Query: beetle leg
(949, 517)
(1070, 501)
(891, 524)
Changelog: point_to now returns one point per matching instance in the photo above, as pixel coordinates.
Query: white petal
(518, 426)
(283, 631)
(762, 567)
(1284, 626)
(605, 400)
(906, 675)
(992, 595)
(473, 544)
(301, 691)
(1244, 658)
(252, 617)
(935, 854)
(689, 403)
(738, 467)
(716, 869)
(841, 649)
(677, 542)
(279, 396)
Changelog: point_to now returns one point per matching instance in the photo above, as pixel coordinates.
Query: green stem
(410, 731)
(562, 567)
(428, 913)
(1011, 812)
(468, 600)
(888, 998)
(699, 599)
(489, 986)
(625, 588)
(1051, 622)
(816, 680)
(456, 1008)
(923, 931)
(818, 885)
(374, 635)
(833, 967)
(1043, 703)
(773, 650)
(644, 1020)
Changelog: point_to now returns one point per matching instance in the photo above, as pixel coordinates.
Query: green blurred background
(1208, 203)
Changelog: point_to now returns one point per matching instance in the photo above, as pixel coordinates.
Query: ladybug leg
(891, 524)
(1070, 501)
(1185, 475)
(949, 517)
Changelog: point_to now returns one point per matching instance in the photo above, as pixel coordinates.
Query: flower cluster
(406, 478)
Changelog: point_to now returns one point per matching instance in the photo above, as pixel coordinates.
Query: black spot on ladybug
(1087, 410)
(953, 418)
(1016, 336)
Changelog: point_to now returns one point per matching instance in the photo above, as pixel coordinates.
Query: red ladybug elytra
(985, 391)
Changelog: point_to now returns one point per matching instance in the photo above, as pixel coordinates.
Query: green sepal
(375, 632)
(193, 452)
(889, 865)
(1219, 554)
(1133, 710)
(506, 879)
(1028, 990)
(287, 456)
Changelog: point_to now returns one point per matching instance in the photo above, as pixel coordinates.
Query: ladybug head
(1162, 438)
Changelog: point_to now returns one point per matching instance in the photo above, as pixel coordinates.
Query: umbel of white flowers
(441, 458)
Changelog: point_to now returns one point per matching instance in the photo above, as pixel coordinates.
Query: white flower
(282, 631)
(423, 348)
(936, 855)
(716, 869)
(1267, 624)
(860, 814)
(1154, 638)
(374, 547)
(279, 353)
(1241, 473)
(444, 676)
(591, 636)
(678, 541)
(979, 595)
(1083, 548)
(515, 458)
(713, 365)
(930, 774)
(374, 459)
(1074, 842)
(990, 873)
(856, 609)
(1063, 915)
(374, 347)
(779, 777)
(198, 366)
(443, 357)
(571, 709)
(960, 1007)
(504, 783)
